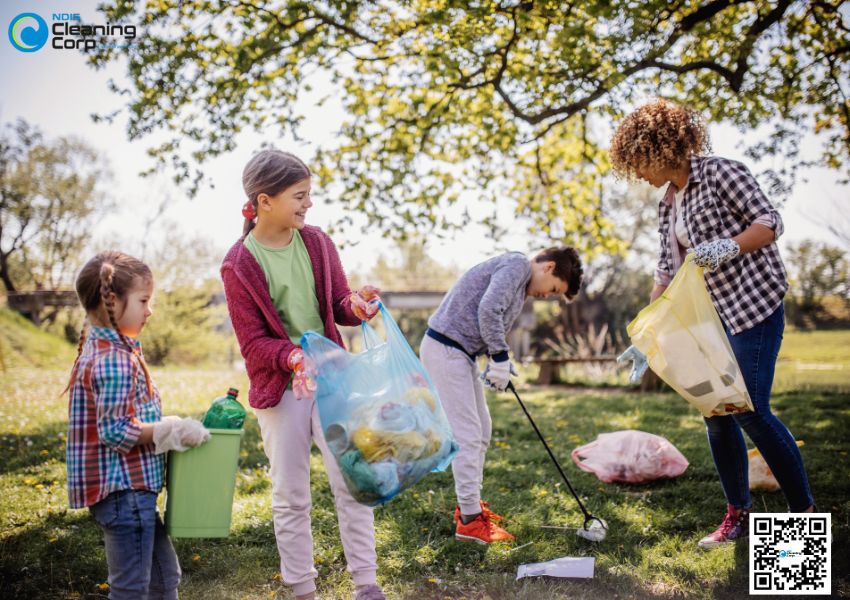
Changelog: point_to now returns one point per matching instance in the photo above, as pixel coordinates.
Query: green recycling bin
(200, 486)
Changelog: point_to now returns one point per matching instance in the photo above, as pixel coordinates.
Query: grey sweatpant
(456, 377)
(289, 430)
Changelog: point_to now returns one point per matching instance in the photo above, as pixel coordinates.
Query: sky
(56, 91)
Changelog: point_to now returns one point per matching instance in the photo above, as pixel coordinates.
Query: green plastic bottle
(225, 412)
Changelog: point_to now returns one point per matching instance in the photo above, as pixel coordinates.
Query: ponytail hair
(270, 172)
(109, 276)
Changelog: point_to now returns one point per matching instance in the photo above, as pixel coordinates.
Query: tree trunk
(652, 382)
(549, 373)
(4, 274)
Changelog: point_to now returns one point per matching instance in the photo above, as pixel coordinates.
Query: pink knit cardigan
(262, 337)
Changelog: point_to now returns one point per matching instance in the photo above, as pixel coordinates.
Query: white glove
(174, 433)
(639, 364)
(710, 255)
(497, 375)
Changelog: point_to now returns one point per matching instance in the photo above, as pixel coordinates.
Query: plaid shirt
(108, 402)
(721, 200)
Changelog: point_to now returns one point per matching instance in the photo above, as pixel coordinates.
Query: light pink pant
(288, 431)
(456, 377)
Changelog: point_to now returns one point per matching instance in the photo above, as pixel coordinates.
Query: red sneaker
(735, 525)
(497, 534)
(480, 530)
(485, 508)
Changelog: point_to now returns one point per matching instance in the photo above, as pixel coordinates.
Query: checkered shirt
(721, 200)
(108, 402)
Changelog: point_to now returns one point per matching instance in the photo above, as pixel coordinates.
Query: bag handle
(578, 461)
(370, 336)
(394, 333)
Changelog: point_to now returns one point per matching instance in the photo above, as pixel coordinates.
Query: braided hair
(109, 276)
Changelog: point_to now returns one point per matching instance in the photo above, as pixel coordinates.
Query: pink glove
(303, 375)
(369, 293)
(363, 303)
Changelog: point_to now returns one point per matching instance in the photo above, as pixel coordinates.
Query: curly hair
(659, 135)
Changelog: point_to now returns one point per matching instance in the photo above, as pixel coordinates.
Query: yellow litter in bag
(413, 395)
(686, 346)
(404, 447)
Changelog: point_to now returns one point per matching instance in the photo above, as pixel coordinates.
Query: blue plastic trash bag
(380, 413)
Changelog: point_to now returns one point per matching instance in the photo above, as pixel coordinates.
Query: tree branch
(696, 65)
(704, 13)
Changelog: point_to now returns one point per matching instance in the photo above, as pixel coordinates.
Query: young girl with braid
(283, 278)
(117, 437)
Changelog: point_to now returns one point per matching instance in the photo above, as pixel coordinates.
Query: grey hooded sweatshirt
(479, 310)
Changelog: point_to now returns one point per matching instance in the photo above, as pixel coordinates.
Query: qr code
(790, 553)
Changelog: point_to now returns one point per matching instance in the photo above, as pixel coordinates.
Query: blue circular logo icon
(28, 32)
(783, 553)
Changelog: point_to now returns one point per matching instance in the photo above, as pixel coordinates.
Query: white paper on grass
(567, 566)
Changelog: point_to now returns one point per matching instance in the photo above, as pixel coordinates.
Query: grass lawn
(49, 551)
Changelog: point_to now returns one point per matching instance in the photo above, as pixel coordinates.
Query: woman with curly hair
(714, 208)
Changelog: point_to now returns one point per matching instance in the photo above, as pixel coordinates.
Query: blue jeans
(142, 562)
(756, 350)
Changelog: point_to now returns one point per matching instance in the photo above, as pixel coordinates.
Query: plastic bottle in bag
(225, 412)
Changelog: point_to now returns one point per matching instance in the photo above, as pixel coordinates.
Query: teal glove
(639, 364)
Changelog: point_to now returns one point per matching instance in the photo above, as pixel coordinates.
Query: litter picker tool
(594, 528)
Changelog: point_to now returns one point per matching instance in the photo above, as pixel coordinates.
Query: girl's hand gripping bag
(686, 345)
(380, 413)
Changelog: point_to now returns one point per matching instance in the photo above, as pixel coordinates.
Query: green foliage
(48, 195)
(818, 273)
(623, 281)
(22, 344)
(187, 327)
(447, 99)
(410, 269)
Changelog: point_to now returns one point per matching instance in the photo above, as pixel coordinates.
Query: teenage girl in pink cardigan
(283, 278)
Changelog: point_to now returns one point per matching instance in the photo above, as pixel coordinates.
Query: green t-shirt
(292, 286)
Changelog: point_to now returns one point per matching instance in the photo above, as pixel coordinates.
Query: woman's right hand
(639, 364)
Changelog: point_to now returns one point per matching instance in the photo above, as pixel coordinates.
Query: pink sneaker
(735, 526)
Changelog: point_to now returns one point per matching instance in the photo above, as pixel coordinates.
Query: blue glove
(710, 255)
(639, 364)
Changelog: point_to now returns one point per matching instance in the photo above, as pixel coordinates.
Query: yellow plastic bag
(685, 344)
(761, 477)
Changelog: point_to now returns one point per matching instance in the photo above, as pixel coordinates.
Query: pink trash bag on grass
(630, 456)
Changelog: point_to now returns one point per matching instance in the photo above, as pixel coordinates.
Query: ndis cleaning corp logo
(28, 32)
